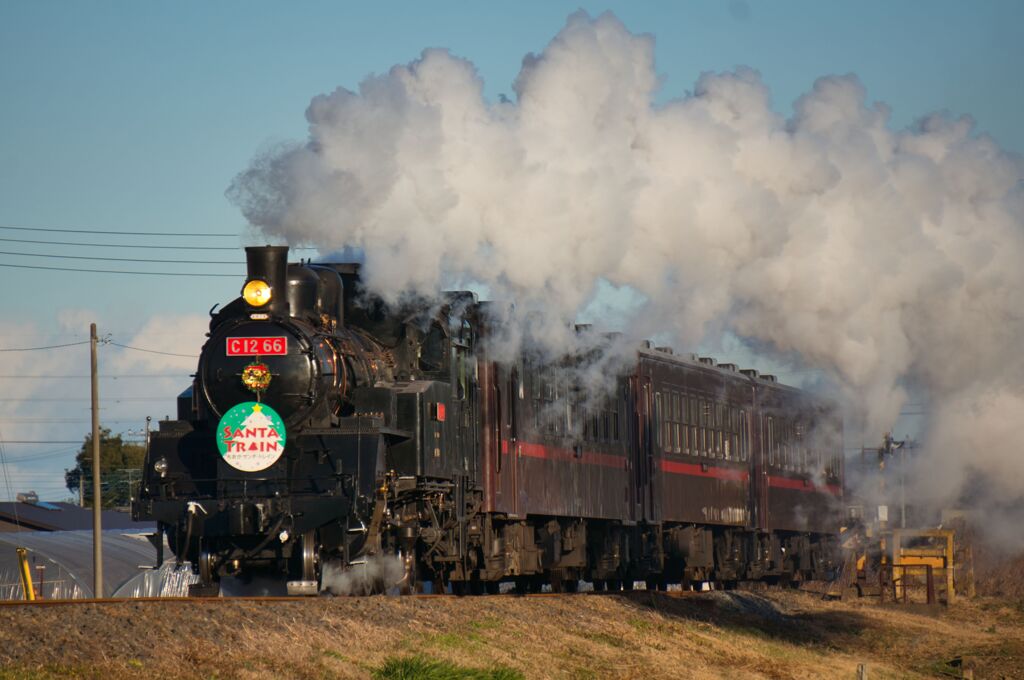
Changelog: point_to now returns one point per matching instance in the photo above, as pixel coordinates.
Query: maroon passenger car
(689, 471)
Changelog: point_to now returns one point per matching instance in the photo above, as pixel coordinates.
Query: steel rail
(303, 598)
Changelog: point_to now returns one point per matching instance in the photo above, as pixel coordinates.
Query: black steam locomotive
(323, 425)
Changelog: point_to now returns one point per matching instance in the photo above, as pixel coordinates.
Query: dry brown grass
(639, 635)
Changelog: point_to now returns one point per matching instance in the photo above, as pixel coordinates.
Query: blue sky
(136, 116)
(130, 116)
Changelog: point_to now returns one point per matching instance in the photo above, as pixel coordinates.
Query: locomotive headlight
(160, 466)
(256, 293)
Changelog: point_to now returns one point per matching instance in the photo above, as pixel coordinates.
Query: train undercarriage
(433, 532)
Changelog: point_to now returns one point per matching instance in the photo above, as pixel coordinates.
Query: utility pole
(97, 521)
(903, 483)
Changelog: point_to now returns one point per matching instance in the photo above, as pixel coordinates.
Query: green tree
(120, 466)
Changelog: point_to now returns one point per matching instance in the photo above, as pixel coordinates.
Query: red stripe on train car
(801, 485)
(698, 470)
(543, 452)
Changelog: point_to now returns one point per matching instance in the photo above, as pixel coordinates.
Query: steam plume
(369, 576)
(889, 259)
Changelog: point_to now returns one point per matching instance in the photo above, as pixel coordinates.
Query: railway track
(293, 598)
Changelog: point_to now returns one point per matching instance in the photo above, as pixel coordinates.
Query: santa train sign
(251, 436)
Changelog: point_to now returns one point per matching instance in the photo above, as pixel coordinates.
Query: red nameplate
(240, 347)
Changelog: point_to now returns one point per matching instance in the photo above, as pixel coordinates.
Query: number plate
(243, 347)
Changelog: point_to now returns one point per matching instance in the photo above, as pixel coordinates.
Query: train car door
(642, 462)
(761, 430)
(499, 441)
(515, 450)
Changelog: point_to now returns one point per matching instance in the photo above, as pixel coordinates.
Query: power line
(44, 456)
(122, 332)
(53, 451)
(121, 259)
(104, 341)
(127, 233)
(33, 349)
(110, 271)
(133, 245)
(111, 377)
(62, 420)
(113, 399)
(42, 441)
(153, 351)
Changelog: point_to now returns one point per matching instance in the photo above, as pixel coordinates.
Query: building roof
(20, 516)
(68, 556)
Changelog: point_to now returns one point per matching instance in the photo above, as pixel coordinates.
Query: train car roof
(768, 383)
(666, 354)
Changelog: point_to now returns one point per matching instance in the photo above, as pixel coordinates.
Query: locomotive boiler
(323, 425)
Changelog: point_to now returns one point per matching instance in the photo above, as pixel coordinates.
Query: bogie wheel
(205, 567)
(310, 555)
(208, 586)
(493, 587)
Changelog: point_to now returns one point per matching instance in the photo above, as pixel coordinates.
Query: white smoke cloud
(888, 259)
(370, 575)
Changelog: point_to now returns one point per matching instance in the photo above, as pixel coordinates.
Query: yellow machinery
(885, 558)
(914, 551)
(26, 574)
(892, 563)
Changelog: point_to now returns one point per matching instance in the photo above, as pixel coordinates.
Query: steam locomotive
(325, 426)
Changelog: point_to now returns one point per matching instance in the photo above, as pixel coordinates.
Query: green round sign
(250, 436)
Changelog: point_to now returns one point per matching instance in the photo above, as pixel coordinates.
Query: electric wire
(33, 349)
(153, 351)
(131, 245)
(116, 400)
(122, 259)
(60, 420)
(22, 459)
(42, 441)
(129, 233)
(7, 477)
(62, 449)
(111, 271)
(102, 341)
(122, 376)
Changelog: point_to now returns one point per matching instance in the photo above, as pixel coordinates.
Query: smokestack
(270, 264)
